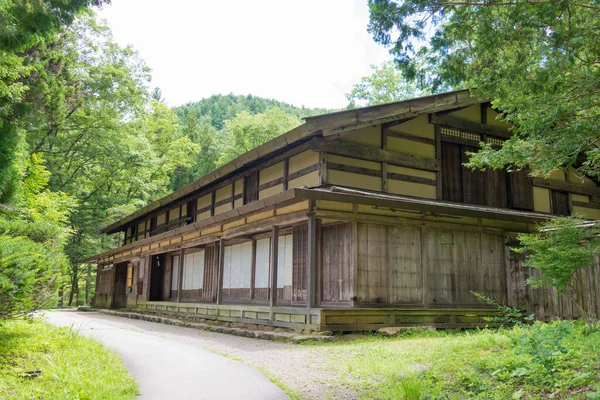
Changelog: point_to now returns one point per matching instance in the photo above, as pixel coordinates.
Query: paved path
(166, 367)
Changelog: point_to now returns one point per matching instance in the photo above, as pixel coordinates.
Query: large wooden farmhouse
(354, 220)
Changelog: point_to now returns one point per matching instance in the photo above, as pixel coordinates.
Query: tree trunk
(87, 284)
(74, 273)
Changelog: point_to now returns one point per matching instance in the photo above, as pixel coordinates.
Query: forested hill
(217, 109)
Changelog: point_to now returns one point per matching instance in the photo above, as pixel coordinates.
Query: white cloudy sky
(304, 52)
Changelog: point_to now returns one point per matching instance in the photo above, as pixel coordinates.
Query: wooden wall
(427, 267)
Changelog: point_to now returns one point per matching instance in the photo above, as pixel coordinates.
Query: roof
(325, 125)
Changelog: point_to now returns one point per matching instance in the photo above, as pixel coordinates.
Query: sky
(303, 52)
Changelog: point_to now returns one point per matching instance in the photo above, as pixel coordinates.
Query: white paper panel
(237, 266)
(263, 250)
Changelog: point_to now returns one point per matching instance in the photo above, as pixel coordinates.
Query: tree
(105, 141)
(385, 85)
(32, 236)
(245, 132)
(562, 249)
(536, 60)
(25, 27)
(204, 136)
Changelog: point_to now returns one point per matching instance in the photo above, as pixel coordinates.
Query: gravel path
(300, 368)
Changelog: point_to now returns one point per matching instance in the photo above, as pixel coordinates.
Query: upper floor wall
(298, 167)
(420, 156)
(424, 156)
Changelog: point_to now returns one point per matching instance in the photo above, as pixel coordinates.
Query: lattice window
(460, 134)
(494, 141)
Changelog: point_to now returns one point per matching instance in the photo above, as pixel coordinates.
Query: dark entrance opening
(120, 294)
(157, 273)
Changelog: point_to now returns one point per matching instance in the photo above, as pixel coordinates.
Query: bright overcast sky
(304, 52)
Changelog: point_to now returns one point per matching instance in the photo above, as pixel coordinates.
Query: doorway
(120, 294)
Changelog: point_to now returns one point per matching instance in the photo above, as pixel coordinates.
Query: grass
(558, 360)
(72, 366)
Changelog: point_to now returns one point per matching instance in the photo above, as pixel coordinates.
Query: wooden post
(286, 169)
(87, 284)
(384, 165)
(311, 263)
(322, 168)
(273, 267)
(438, 156)
(180, 274)
(220, 270)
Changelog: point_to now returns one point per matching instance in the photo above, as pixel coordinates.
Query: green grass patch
(557, 360)
(72, 366)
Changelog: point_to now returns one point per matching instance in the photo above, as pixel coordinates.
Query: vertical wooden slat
(451, 172)
(355, 261)
(253, 269)
(220, 270)
(273, 266)
(300, 233)
(180, 275)
(311, 261)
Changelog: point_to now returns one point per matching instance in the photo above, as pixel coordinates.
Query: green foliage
(507, 315)
(217, 109)
(536, 60)
(32, 238)
(385, 85)
(245, 131)
(554, 360)
(544, 343)
(561, 248)
(25, 28)
(72, 366)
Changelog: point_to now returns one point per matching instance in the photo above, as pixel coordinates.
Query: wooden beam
(356, 150)
(402, 135)
(410, 178)
(424, 205)
(272, 183)
(273, 266)
(303, 171)
(179, 273)
(353, 169)
(470, 126)
(566, 187)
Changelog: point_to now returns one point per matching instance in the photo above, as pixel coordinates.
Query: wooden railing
(170, 226)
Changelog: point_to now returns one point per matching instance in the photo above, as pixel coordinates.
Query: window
(129, 277)
(175, 273)
(494, 188)
(251, 188)
(193, 271)
(560, 203)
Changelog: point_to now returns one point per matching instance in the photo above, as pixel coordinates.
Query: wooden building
(354, 220)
